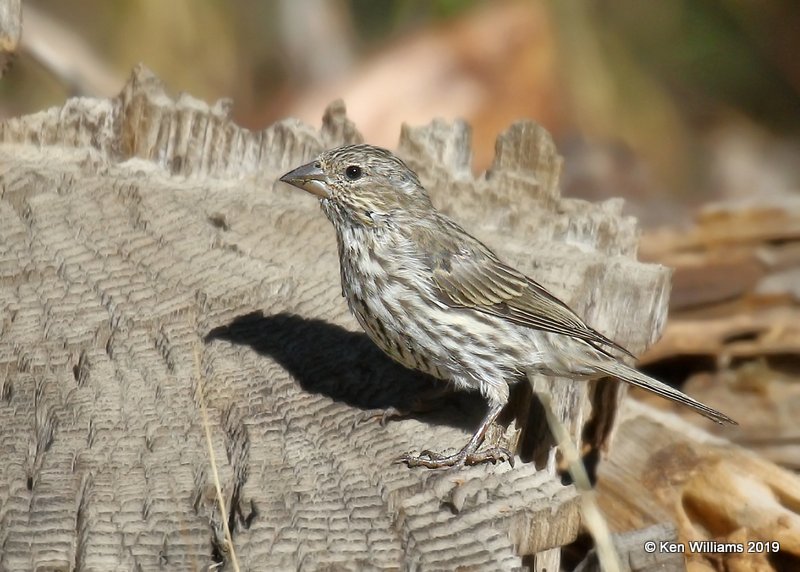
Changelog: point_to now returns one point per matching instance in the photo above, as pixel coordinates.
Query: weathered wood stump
(150, 262)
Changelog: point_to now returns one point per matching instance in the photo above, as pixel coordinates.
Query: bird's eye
(353, 172)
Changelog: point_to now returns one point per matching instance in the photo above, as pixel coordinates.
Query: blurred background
(669, 104)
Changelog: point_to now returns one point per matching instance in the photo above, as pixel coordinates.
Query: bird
(436, 299)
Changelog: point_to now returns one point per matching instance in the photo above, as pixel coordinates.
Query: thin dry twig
(592, 516)
(213, 459)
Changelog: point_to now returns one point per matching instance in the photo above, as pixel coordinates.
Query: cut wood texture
(736, 291)
(734, 328)
(149, 262)
(662, 468)
(632, 556)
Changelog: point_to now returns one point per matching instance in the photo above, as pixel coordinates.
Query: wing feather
(466, 274)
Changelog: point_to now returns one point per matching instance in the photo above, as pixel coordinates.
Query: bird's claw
(383, 416)
(433, 460)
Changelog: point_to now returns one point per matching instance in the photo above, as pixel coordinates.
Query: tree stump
(150, 263)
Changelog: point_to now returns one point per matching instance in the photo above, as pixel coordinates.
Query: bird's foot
(433, 460)
(429, 401)
(383, 416)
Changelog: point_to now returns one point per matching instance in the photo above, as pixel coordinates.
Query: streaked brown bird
(436, 299)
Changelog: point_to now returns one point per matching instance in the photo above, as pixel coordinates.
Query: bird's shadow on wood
(347, 367)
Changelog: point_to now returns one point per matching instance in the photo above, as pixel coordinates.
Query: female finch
(436, 299)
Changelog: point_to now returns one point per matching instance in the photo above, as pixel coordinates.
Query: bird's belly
(473, 351)
(404, 319)
(394, 336)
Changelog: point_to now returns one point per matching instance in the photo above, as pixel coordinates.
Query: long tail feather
(637, 378)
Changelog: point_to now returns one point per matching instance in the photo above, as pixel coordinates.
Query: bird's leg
(469, 455)
(383, 416)
(428, 401)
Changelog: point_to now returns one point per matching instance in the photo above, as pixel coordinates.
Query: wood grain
(147, 254)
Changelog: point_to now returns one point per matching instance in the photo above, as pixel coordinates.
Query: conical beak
(310, 178)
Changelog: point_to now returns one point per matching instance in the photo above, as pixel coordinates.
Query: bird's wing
(468, 275)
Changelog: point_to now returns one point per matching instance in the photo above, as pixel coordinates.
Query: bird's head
(362, 184)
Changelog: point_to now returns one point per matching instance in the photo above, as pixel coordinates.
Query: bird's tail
(637, 378)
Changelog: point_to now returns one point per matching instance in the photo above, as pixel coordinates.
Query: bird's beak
(310, 178)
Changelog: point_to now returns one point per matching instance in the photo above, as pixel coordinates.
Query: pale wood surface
(147, 255)
(633, 556)
(734, 328)
(664, 469)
